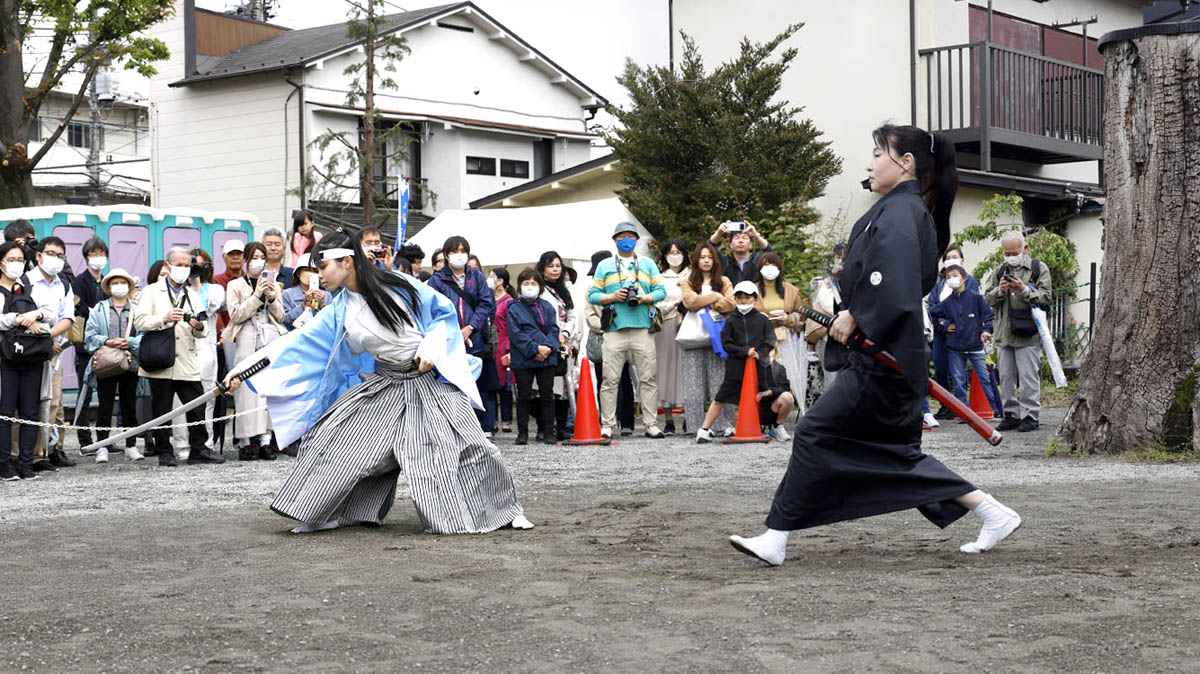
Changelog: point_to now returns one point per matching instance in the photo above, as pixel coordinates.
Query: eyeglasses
(47, 253)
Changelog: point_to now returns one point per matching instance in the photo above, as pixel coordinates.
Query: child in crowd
(533, 343)
(747, 334)
(775, 400)
(967, 320)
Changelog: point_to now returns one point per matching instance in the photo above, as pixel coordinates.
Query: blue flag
(402, 222)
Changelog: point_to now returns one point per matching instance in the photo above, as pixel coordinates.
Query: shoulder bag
(110, 361)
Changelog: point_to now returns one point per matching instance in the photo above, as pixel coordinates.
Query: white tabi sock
(770, 547)
(316, 526)
(999, 521)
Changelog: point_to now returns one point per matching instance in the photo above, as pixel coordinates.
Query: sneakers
(44, 466)
(26, 472)
(59, 458)
(1010, 422)
(930, 421)
(606, 433)
(205, 456)
(102, 455)
(778, 432)
(729, 432)
(8, 472)
(669, 427)
(626, 431)
(999, 522)
(654, 433)
(1027, 424)
(131, 454)
(167, 458)
(704, 436)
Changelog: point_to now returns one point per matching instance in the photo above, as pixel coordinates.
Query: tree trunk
(1137, 386)
(367, 156)
(16, 183)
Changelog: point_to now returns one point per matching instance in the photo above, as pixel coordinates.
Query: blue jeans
(958, 374)
(941, 366)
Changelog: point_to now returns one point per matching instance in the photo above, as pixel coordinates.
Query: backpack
(18, 344)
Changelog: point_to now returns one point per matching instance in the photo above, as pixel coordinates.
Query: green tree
(1003, 212)
(700, 147)
(84, 37)
(373, 145)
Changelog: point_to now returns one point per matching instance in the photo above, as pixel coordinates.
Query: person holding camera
(256, 316)
(304, 298)
(173, 305)
(272, 240)
(212, 295)
(626, 286)
(371, 240)
(741, 265)
(1013, 290)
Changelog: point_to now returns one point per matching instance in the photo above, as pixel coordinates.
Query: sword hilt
(246, 374)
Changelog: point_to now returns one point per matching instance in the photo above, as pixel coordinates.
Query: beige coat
(791, 305)
(694, 301)
(153, 307)
(243, 304)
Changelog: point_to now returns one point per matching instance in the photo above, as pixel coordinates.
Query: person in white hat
(110, 324)
(747, 334)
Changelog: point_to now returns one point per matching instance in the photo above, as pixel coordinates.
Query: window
(512, 168)
(79, 134)
(481, 166)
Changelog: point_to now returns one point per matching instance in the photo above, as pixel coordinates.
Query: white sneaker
(606, 433)
(729, 432)
(781, 433)
(519, 522)
(999, 522)
(930, 422)
(704, 436)
(132, 454)
(101, 455)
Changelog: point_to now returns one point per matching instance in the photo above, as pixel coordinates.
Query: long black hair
(764, 260)
(502, 275)
(559, 286)
(936, 170)
(373, 282)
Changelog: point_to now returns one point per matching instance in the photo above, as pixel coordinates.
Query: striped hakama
(398, 420)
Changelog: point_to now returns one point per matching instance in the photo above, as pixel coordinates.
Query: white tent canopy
(510, 237)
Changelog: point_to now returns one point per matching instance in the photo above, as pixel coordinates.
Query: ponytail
(373, 282)
(936, 169)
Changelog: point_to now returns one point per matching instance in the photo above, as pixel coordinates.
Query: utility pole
(93, 160)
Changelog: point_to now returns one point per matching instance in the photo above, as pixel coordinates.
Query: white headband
(335, 254)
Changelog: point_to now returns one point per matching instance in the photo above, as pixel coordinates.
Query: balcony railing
(997, 101)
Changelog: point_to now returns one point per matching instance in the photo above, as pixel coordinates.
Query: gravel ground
(131, 567)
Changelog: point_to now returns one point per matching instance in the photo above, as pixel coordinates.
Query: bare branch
(62, 125)
(331, 181)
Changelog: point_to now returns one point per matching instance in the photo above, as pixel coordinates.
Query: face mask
(530, 292)
(954, 283)
(491, 281)
(180, 274)
(97, 263)
(745, 308)
(118, 290)
(627, 244)
(458, 260)
(1014, 260)
(256, 266)
(675, 260)
(52, 265)
(13, 270)
(770, 272)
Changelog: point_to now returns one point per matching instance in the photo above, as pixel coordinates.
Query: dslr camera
(631, 295)
(201, 270)
(201, 316)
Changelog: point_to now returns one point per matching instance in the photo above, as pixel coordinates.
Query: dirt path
(128, 568)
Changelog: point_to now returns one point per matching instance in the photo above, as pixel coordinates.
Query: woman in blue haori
(378, 383)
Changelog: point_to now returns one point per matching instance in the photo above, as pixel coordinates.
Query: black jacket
(735, 274)
(890, 264)
(741, 332)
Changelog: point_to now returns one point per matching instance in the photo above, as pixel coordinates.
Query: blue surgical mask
(626, 245)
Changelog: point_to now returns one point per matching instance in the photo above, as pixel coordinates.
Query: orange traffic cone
(748, 427)
(587, 417)
(979, 401)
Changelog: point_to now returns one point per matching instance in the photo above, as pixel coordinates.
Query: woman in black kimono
(857, 452)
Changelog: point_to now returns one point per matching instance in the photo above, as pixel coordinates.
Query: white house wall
(444, 70)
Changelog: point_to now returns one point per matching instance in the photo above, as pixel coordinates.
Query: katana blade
(182, 409)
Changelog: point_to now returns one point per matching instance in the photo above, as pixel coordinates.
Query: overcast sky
(590, 39)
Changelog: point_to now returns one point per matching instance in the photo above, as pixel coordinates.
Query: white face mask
(97, 263)
(1014, 260)
(256, 266)
(530, 292)
(745, 308)
(675, 260)
(770, 272)
(457, 260)
(13, 270)
(180, 274)
(118, 290)
(491, 281)
(52, 265)
(955, 283)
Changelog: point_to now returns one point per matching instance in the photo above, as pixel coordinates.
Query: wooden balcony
(997, 102)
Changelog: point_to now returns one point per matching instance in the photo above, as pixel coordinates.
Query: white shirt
(53, 297)
(364, 333)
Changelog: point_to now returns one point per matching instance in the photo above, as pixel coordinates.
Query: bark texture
(1137, 386)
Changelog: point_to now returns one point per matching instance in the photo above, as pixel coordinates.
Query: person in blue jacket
(966, 319)
(533, 342)
(941, 362)
(467, 289)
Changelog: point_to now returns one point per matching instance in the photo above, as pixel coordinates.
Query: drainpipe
(671, 34)
(297, 89)
(912, 54)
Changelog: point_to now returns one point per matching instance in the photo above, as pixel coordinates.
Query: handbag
(692, 333)
(19, 345)
(110, 361)
(158, 347)
(713, 325)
